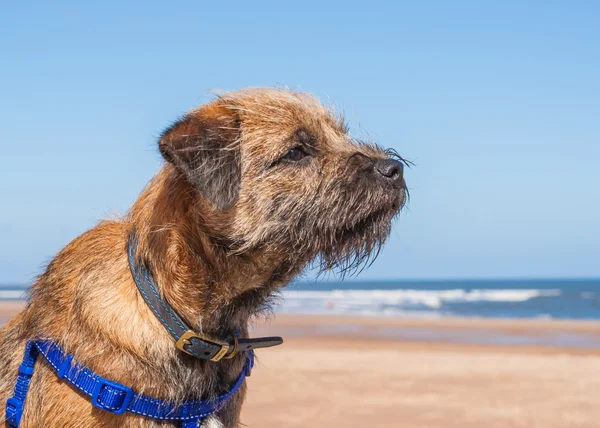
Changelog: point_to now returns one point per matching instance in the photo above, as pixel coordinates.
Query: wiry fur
(222, 226)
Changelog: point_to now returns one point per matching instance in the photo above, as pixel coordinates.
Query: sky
(497, 103)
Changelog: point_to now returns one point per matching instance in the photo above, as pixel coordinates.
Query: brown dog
(257, 184)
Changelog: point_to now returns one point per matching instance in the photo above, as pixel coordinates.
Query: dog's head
(286, 176)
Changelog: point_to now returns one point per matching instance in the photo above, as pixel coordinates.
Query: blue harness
(111, 396)
(117, 398)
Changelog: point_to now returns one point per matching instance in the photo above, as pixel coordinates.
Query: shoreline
(448, 321)
(12, 307)
(582, 335)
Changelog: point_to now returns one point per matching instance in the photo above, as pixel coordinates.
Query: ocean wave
(393, 300)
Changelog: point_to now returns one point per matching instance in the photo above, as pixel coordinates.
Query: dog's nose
(390, 169)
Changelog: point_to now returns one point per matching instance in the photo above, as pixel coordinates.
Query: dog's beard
(342, 231)
(348, 251)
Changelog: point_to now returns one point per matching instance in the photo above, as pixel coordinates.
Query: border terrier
(257, 184)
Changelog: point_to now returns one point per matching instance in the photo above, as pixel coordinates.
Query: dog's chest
(212, 422)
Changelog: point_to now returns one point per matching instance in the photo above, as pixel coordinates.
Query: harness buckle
(14, 411)
(186, 337)
(26, 370)
(103, 383)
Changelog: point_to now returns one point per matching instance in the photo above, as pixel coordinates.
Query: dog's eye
(295, 155)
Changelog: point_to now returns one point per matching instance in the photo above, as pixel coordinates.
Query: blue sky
(496, 102)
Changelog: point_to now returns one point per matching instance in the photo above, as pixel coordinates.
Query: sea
(531, 298)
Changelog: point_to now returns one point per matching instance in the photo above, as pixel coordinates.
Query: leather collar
(187, 340)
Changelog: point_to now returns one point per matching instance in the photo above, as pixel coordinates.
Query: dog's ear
(204, 145)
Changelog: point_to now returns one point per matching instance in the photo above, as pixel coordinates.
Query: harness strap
(108, 395)
(14, 405)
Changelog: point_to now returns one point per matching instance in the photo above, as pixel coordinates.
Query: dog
(257, 185)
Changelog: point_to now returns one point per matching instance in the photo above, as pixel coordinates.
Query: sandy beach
(392, 372)
(358, 379)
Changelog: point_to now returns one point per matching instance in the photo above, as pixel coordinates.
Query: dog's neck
(180, 238)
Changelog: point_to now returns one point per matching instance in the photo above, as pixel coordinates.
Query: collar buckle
(186, 337)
